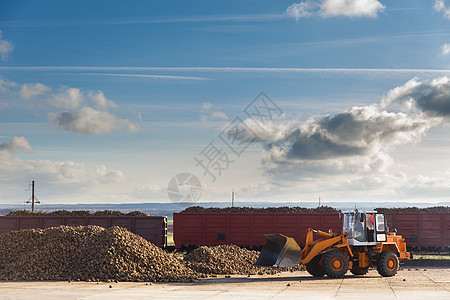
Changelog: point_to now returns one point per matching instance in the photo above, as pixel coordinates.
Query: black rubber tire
(314, 268)
(359, 271)
(387, 264)
(335, 263)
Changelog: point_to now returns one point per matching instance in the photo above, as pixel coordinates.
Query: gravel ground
(407, 285)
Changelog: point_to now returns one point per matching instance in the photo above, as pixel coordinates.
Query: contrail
(228, 69)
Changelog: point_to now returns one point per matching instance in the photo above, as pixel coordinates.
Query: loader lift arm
(329, 239)
(283, 251)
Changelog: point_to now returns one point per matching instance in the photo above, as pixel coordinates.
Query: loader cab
(364, 228)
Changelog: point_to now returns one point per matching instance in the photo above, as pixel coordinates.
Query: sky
(280, 101)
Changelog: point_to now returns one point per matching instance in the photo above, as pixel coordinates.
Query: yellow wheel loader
(365, 242)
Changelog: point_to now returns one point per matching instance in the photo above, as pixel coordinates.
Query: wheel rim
(391, 264)
(337, 263)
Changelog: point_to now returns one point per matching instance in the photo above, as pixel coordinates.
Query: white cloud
(85, 111)
(216, 115)
(32, 90)
(445, 49)
(60, 180)
(206, 106)
(335, 8)
(351, 8)
(5, 47)
(147, 191)
(69, 98)
(13, 168)
(428, 98)
(265, 132)
(358, 132)
(90, 121)
(219, 115)
(16, 143)
(72, 172)
(6, 85)
(302, 9)
(72, 177)
(100, 101)
(440, 6)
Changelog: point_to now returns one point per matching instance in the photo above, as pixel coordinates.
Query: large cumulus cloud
(353, 149)
(414, 97)
(360, 131)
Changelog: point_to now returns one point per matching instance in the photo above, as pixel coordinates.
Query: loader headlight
(381, 237)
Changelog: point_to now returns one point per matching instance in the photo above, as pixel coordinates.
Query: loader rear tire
(335, 263)
(314, 268)
(359, 271)
(387, 264)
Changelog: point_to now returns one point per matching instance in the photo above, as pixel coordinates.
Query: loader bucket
(279, 251)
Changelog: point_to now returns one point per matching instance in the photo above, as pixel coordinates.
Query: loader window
(360, 228)
(348, 224)
(356, 228)
(380, 222)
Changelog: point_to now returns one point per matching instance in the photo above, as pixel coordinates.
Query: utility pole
(33, 198)
(232, 198)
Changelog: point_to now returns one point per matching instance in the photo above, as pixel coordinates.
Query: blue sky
(106, 101)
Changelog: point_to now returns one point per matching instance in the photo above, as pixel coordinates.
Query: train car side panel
(188, 229)
(240, 229)
(152, 228)
(216, 229)
(430, 230)
(407, 225)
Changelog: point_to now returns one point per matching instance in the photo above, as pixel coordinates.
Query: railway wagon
(246, 229)
(420, 230)
(151, 228)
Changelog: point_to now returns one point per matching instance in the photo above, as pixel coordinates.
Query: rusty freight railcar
(246, 229)
(151, 228)
(422, 229)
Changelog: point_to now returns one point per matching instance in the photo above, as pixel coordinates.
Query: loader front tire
(387, 264)
(335, 263)
(314, 268)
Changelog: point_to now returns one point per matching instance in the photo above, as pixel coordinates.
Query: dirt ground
(430, 283)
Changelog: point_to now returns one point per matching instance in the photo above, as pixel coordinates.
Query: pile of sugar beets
(285, 209)
(88, 253)
(77, 213)
(93, 253)
(320, 209)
